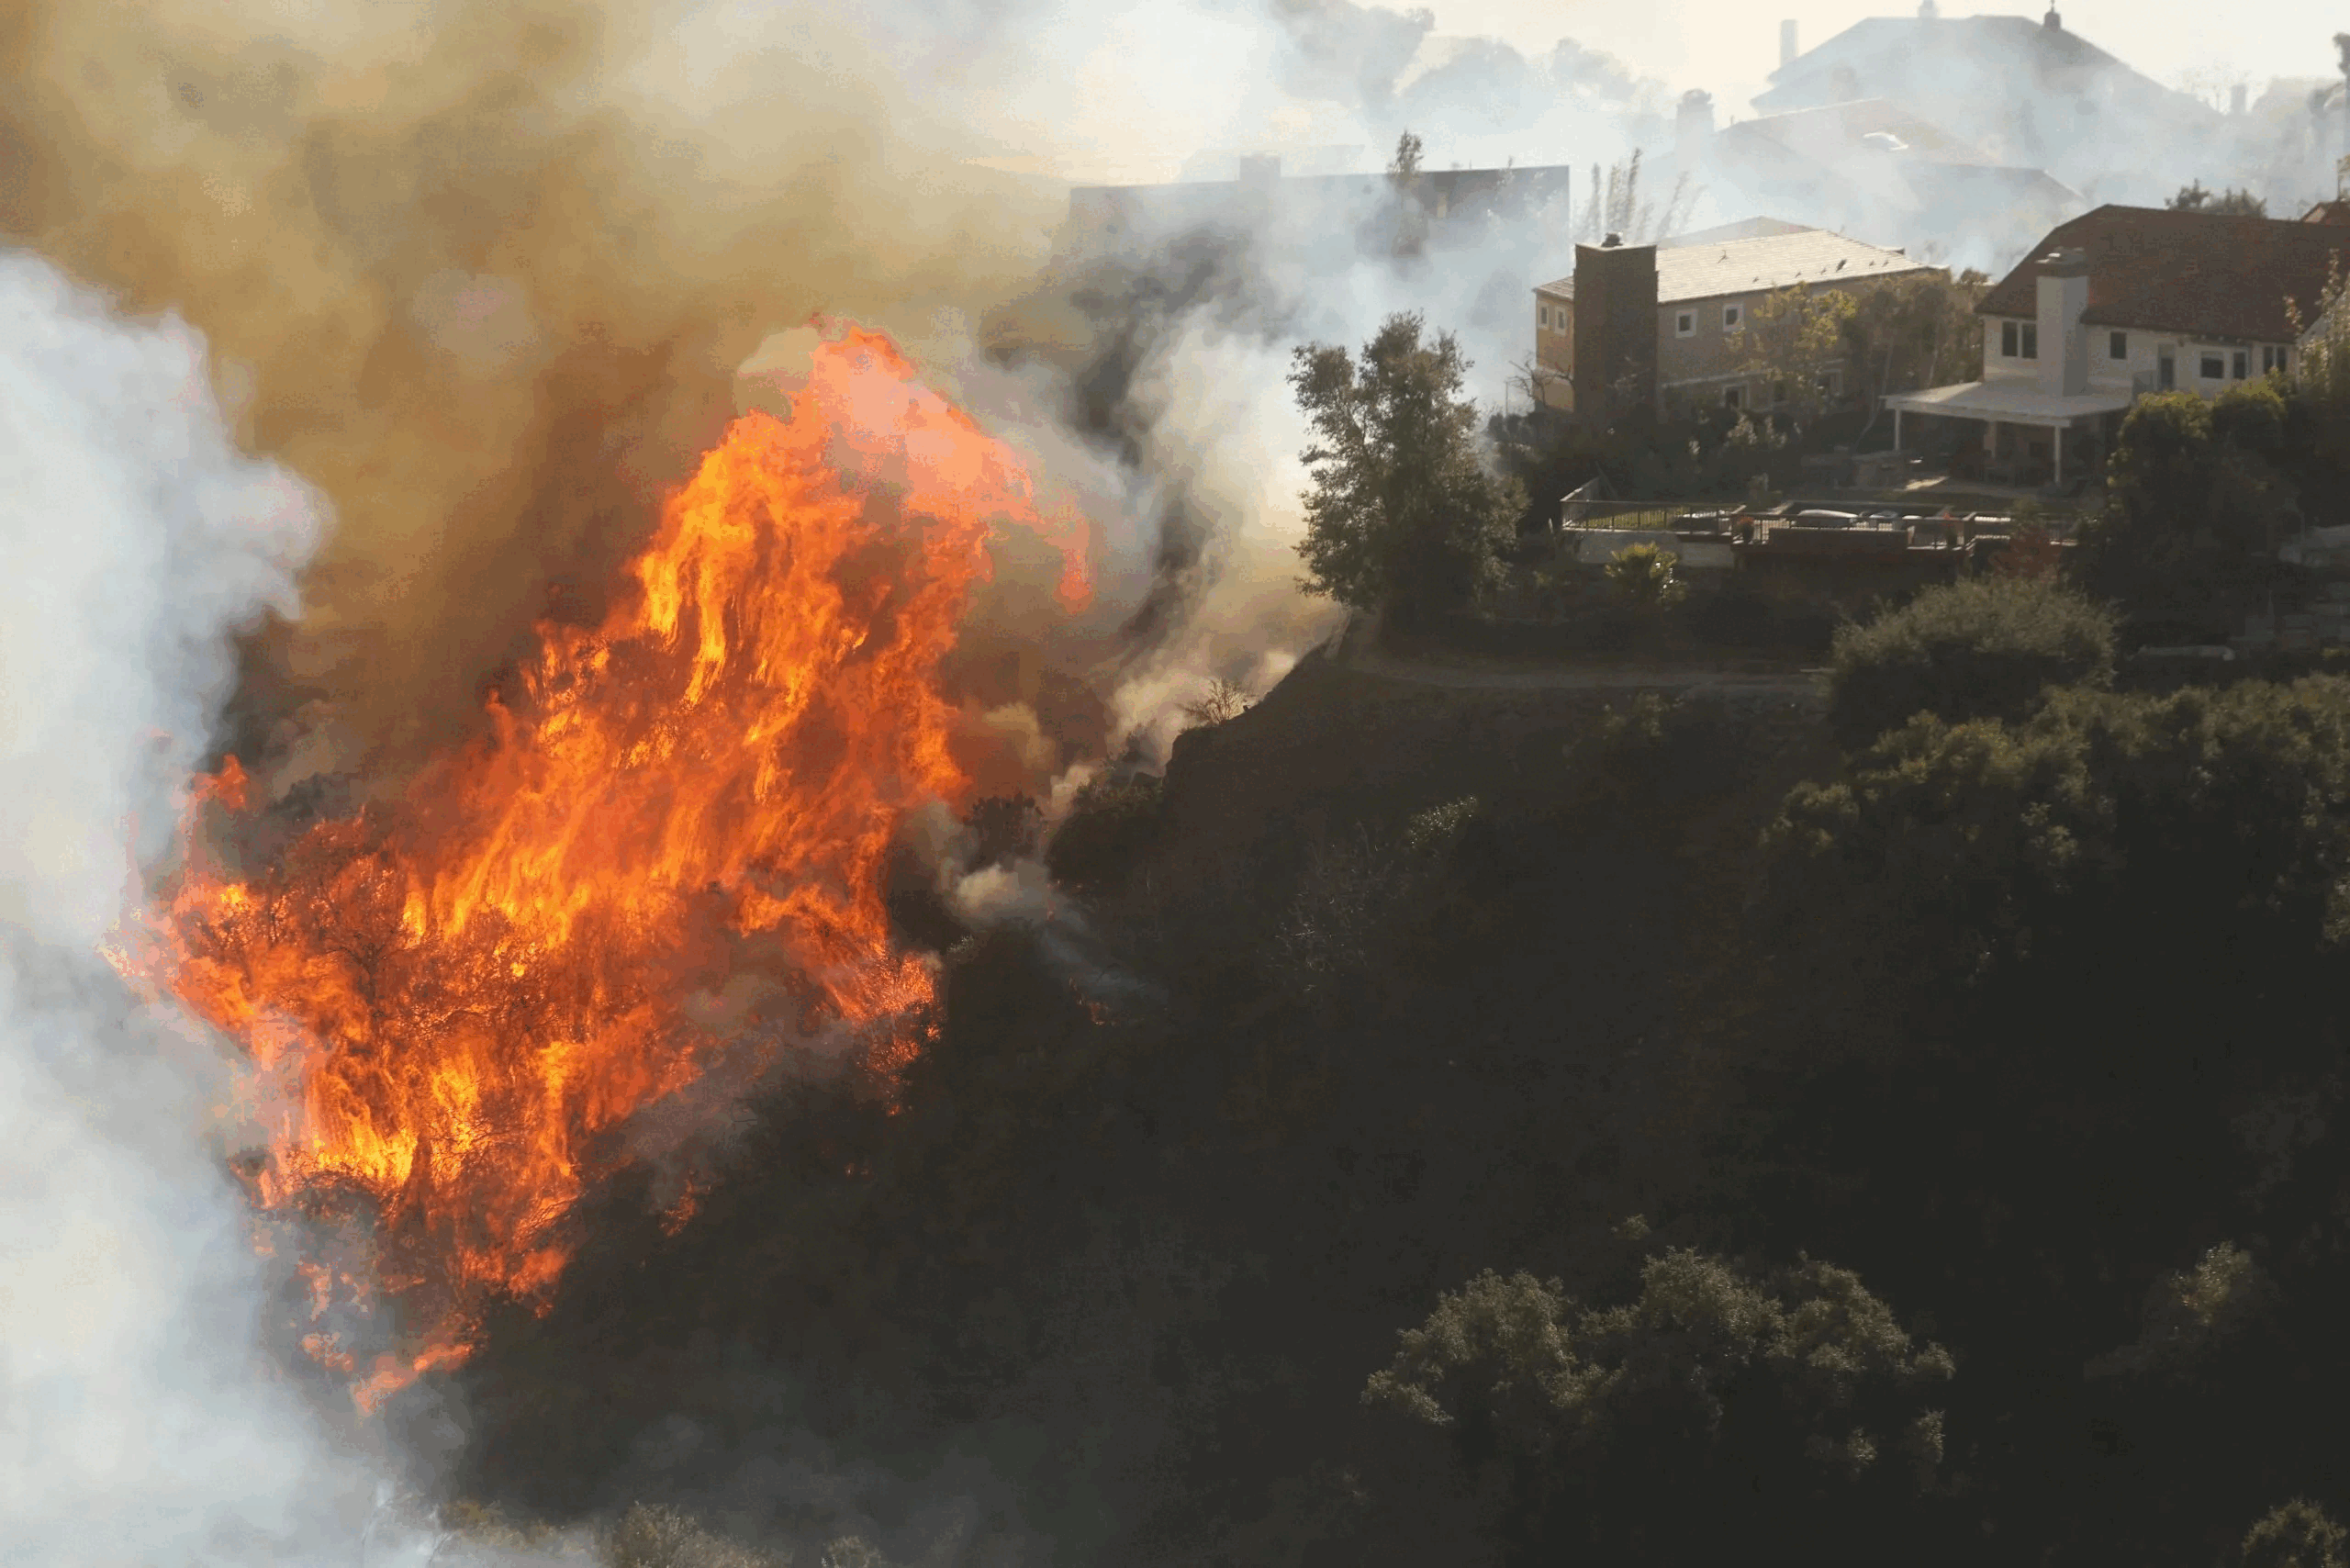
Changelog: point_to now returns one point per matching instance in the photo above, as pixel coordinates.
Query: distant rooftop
(1882, 50)
(1745, 229)
(1827, 129)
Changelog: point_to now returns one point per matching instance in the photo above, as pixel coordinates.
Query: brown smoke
(481, 271)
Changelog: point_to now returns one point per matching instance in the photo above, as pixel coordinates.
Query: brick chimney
(2063, 341)
(1693, 127)
(1616, 328)
(1786, 43)
(1928, 10)
(2053, 21)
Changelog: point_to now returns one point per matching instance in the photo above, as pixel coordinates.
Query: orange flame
(451, 1005)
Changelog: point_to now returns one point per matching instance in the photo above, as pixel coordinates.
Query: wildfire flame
(452, 1004)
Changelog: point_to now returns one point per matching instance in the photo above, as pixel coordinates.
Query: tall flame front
(452, 1004)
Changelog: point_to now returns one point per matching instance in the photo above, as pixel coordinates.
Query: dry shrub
(651, 1536)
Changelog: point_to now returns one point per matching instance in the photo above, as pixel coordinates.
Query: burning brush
(453, 1002)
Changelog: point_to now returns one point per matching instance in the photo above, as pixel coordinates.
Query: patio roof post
(2060, 454)
(1897, 427)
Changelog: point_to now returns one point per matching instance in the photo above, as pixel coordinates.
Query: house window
(2272, 358)
(2032, 339)
(2118, 346)
(1685, 324)
(1778, 392)
(2212, 367)
(1543, 314)
(1734, 397)
(2009, 339)
(1734, 318)
(2238, 363)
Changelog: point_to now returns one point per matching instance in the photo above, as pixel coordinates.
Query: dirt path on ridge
(1800, 685)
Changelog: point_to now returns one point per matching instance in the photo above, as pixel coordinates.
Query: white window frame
(2205, 359)
(2117, 345)
(1542, 316)
(2238, 363)
(1734, 318)
(2029, 332)
(1684, 323)
(2011, 339)
(1734, 396)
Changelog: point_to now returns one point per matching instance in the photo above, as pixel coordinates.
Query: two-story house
(1666, 324)
(2031, 94)
(2124, 301)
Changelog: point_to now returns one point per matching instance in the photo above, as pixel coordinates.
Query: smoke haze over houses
(1730, 48)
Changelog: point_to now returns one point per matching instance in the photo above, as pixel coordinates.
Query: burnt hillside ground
(1177, 1170)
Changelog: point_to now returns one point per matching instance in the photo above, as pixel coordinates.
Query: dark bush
(1111, 825)
(1980, 649)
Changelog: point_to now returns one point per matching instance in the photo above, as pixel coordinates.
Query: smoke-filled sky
(1729, 47)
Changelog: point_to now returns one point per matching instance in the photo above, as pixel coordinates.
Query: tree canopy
(1404, 514)
(1741, 1389)
(1794, 338)
(1982, 647)
(2196, 503)
(2229, 203)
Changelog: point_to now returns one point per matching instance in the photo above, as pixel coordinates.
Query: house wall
(1712, 352)
(1554, 348)
(1697, 368)
(2143, 357)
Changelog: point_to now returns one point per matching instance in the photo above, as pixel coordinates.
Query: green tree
(1920, 330)
(1979, 648)
(2196, 504)
(2318, 406)
(1644, 574)
(2123, 830)
(2226, 203)
(1793, 339)
(1403, 514)
(1736, 1392)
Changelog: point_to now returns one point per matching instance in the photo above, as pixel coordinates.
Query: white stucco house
(2120, 302)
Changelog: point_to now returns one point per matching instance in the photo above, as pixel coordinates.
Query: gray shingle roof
(1762, 252)
(1778, 260)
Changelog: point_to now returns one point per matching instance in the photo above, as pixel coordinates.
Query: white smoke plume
(139, 1421)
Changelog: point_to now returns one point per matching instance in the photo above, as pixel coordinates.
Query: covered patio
(2000, 404)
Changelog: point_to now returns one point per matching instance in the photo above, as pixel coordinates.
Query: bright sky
(1730, 45)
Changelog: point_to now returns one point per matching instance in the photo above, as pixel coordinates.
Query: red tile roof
(2193, 272)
